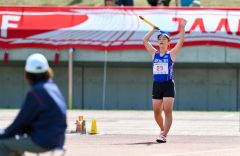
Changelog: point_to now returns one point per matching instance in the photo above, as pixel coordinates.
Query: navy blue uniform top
(162, 67)
(42, 116)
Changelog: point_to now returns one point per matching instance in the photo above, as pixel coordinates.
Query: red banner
(113, 28)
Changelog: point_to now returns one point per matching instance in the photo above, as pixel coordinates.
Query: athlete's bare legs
(157, 108)
(168, 107)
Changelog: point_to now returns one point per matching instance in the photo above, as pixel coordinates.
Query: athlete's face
(163, 41)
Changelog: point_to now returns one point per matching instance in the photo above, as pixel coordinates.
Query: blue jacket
(42, 116)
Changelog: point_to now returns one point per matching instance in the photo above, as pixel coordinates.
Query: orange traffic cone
(80, 118)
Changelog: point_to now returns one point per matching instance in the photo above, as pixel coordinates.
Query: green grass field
(204, 3)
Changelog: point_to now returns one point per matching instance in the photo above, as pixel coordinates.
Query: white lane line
(199, 152)
(228, 116)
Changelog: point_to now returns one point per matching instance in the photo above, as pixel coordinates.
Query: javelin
(151, 24)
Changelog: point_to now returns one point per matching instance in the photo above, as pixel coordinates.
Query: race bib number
(160, 68)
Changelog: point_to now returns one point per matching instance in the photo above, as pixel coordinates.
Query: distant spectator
(161, 2)
(190, 3)
(186, 3)
(196, 3)
(124, 2)
(164, 2)
(75, 2)
(153, 2)
(109, 2)
(158, 2)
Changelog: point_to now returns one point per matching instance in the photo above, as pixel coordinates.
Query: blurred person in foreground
(41, 122)
(163, 91)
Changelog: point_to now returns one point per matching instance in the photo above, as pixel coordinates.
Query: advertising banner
(115, 28)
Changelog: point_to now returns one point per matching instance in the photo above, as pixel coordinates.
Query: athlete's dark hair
(158, 36)
(33, 77)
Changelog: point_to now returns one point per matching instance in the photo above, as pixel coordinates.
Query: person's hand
(155, 29)
(183, 23)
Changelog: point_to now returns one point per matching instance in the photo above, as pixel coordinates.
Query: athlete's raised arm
(179, 44)
(147, 44)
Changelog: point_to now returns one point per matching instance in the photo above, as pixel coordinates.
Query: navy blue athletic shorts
(163, 89)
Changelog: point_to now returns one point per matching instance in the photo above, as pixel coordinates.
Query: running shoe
(161, 139)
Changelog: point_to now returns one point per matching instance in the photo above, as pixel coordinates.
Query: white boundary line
(199, 152)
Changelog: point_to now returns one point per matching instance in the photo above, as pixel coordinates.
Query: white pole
(70, 77)
(104, 80)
